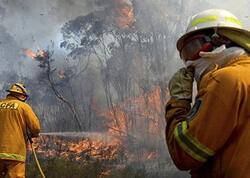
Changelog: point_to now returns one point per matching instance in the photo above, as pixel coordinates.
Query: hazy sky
(33, 23)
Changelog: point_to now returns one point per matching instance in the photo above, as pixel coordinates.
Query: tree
(132, 59)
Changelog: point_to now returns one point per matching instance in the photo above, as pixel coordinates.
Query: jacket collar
(237, 60)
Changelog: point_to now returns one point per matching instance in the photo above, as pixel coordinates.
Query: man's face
(193, 45)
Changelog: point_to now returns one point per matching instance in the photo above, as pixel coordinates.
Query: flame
(29, 53)
(77, 149)
(144, 107)
(108, 146)
(125, 14)
(82, 149)
(40, 53)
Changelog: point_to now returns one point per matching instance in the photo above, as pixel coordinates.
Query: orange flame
(84, 149)
(146, 107)
(29, 53)
(77, 149)
(125, 14)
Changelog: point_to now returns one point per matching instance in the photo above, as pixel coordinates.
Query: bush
(128, 172)
(61, 168)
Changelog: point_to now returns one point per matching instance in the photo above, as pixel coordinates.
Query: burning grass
(77, 149)
(91, 155)
(69, 154)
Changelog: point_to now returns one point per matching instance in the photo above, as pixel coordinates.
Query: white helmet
(212, 19)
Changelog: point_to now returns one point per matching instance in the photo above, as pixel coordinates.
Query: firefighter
(211, 138)
(16, 120)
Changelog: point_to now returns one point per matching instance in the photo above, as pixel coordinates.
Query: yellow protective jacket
(213, 138)
(15, 118)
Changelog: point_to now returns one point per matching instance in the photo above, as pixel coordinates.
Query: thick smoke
(33, 23)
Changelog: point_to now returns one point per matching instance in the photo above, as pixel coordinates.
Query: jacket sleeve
(176, 111)
(195, 136)
(32, 121)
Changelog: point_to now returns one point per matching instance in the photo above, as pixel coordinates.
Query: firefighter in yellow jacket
(16, 119)
(211, 138)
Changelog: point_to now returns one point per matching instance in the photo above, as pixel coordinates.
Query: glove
(181, 84)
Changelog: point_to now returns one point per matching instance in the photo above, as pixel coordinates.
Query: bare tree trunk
(59, 95)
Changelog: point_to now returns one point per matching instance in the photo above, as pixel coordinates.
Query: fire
(125, 13)
(83, 150)
(34, 55)
(29, 53)
(76, 149)
(146, 107)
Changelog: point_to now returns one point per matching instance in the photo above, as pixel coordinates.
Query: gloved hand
(181, 84)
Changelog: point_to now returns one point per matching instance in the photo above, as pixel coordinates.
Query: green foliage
(61, 168)
(128, 172)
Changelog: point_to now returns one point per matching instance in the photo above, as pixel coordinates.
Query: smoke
(92, 135)
(34, 23)
(37, 22)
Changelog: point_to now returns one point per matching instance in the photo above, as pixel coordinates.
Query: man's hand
(181, 84)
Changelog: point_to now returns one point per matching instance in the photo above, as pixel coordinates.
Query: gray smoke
(34, 23)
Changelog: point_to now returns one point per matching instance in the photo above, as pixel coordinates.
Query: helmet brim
(10, 91)
(181, 40)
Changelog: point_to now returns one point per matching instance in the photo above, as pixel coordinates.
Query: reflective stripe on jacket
(212, 139)
(15, 117)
